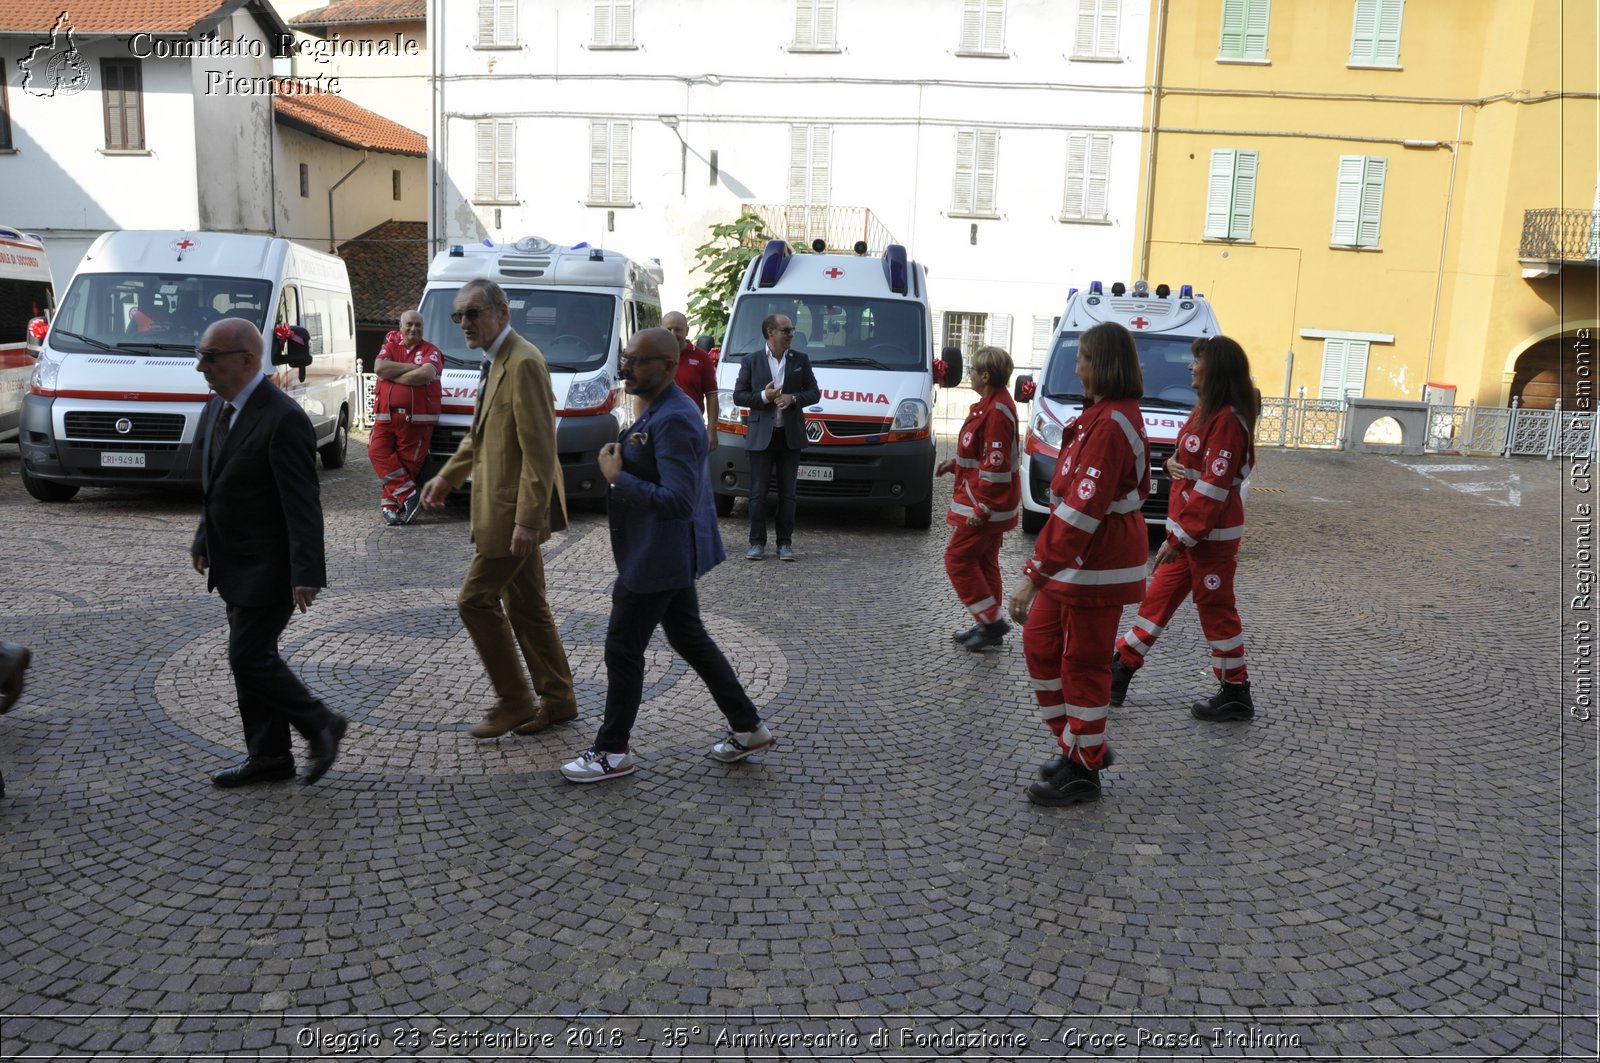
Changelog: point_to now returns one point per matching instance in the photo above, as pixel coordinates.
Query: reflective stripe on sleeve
(1098, 577)
(1211, 490)
(1225, 534)
(1077, 518)
(1176, 529)
(1135, 444)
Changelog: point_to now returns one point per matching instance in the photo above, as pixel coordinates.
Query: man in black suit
(777, 384)
(259, 545)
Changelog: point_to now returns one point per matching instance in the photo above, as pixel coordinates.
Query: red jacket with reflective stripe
(987, 480)
(1206, 511)
(421, 400)
(1093, 549)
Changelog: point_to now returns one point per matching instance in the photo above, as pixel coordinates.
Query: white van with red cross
(27, 298)
(1163, 324)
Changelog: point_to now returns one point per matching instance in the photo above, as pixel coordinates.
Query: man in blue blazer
(777, 384)
(664, 536)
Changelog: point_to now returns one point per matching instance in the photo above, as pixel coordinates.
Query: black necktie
(219, 434)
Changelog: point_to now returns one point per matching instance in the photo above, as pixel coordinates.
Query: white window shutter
(1386, 46)
(971, 26)
(1258, 16)
(505, 151)
(1364, 32)
(621, 190)
(1072, 204)
(994, 26)
(1371, 200)
(1355, 369)
(599, 161)
(485, 187)
(1083, 36)
(1331, 385)
(805, 23)
(1219, 194)
(985, 172)
(1097, 192)
(506, 22)
(821, 165)
(621, 21)
(1241, 217)
(799, 162)
(1043, 329)
(1105, 43)
(1347, 200)
(1233, 17)
(827, 20)
(997, 331)
(602, 22)
(966, 159)
(486, 21)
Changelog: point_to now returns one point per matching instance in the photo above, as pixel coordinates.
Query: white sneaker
(740, 744)
(595, 766)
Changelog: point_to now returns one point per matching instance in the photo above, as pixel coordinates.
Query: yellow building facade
(1377, 195)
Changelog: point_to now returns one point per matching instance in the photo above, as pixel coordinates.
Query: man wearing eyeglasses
(518, 499)
(777, 384)
(259, 545)
(663, 536)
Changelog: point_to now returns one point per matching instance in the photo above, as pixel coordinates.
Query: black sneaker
(987, 636)
(962, 636)
(1074, 784)
(1121, 676)
(1230, 702)
(1059, 762)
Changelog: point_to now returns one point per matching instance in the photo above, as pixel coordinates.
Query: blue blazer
(755, 373)
(663, 522)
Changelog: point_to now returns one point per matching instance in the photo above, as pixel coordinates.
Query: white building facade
(997, 139)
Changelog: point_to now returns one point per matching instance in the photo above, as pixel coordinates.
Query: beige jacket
(510, 452)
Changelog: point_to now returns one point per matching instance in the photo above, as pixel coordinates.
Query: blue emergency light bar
(1187, 291)
(774, 260)
(1095, 288)
(894, 268)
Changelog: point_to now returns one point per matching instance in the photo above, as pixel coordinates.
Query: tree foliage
(723, 259)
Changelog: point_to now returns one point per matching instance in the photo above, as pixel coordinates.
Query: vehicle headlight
(1046, 429)
(911, 416)
(45, 372)
(727, 409)
(588, 394)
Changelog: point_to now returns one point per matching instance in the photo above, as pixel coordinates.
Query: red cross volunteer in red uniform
(985, 501)
(1205, 522)
(405, 410)
(1088, 563)
(697, 372)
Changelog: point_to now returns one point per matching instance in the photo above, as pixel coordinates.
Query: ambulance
(1163, 327)
(115, 399)
(865, 324)
(578, 305)
(27, 298)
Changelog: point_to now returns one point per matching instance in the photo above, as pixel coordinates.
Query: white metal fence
(1471, 429)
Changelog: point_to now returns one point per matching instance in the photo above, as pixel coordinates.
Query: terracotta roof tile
(332, 117)
(344, 12)
(388, 266)
(107, 16)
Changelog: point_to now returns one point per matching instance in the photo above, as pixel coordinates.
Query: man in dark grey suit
(777, 384)
(259, 546)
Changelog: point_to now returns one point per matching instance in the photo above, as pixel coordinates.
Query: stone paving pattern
(1396, 858)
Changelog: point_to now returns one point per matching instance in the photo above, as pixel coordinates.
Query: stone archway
(1533, 372)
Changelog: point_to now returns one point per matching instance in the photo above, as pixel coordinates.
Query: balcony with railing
(839, 227)
(1556, 237)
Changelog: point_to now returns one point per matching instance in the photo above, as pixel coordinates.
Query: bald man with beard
(697, 373)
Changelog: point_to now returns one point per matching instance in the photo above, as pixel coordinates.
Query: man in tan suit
(518, 498)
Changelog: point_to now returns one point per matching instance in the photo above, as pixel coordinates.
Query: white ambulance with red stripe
(1163, 324)
(27, 298)
(865, 324)
(578, 305)
(115, 399)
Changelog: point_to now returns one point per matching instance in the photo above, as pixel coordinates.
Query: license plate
(1155, 484)
(815, 472)
(121, 459)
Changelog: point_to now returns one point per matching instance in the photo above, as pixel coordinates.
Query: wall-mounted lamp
(671, 122)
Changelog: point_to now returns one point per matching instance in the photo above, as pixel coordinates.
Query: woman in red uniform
(1205, 520)
(1088, 563)
(985, 501)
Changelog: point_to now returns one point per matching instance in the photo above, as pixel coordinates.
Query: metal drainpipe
(333, 248)
(1444, 244)
(435, 151)
(1155, 124)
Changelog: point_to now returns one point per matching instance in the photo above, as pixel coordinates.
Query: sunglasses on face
(786, 331)
(469, 314)
(211, 356)
(631, 360)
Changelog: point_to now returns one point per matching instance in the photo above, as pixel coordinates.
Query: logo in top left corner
(53, 65)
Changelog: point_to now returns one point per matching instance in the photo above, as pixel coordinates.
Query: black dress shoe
(254, 770)
(324, 750)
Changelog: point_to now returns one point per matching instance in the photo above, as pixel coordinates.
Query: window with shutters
(810, 178)
(497, 161)
(814, 22)
(123, 92)
(1358, 200)
(966, 331)
(1044, 328)
(1344, 368)
(1375, 38)
(610, 152)
(497, 23)
(976, 155)
(613, 24)
(1088, 177)
(983, 28)
(1231, 195)
(1244, 30)
(1095, 33)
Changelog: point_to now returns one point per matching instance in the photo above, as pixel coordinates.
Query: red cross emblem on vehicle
(833, 272)
(183, 245)
(1139, 322)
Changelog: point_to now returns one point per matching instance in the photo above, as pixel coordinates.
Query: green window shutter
(1371, 200)
(1331, 386)
(1242, 214)
(1347, 200)
(1386, 46)
(1232, 46)
(1355, 368)
(1257, 17)
(1364, 33)
(1219, 194)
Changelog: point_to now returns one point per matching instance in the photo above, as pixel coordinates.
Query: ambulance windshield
(573, 330)
(837, 332)
(140, 312)
(1164, 361)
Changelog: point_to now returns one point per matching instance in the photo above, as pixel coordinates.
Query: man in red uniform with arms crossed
(405, 409)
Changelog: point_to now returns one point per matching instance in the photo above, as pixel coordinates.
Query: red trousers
(972, 561)
(398, 449)
(1065, 646)
(1210, 579)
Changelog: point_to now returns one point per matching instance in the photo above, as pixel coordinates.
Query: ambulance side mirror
(951, 357)
(1023, 389)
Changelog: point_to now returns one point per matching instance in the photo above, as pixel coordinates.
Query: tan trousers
(525, 622)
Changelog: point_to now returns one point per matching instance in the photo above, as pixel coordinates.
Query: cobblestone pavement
(1395, 859)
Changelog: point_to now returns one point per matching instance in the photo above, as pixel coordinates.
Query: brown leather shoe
(502, 718)
(545, 719)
